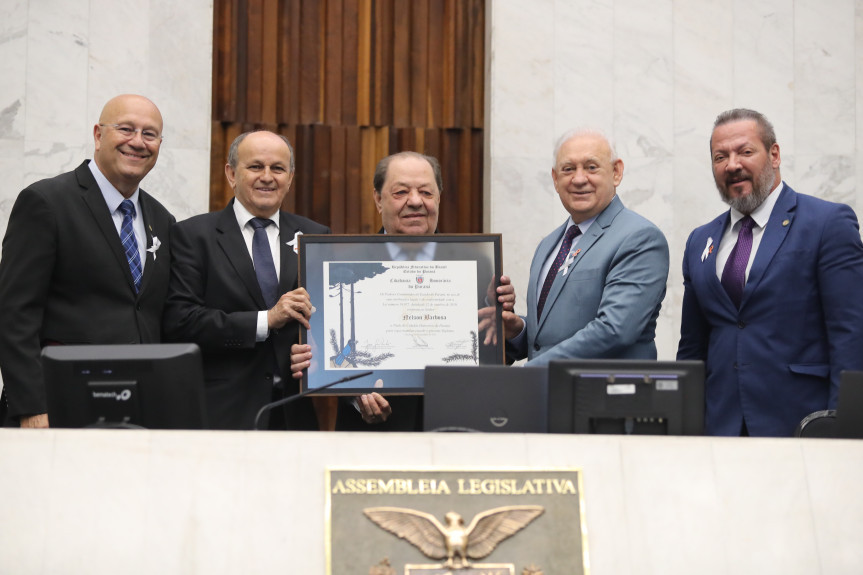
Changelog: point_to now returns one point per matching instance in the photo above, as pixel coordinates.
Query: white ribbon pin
(707, 249)
(294, 243)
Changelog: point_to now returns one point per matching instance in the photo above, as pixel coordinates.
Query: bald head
(123, 153)
(118, 104)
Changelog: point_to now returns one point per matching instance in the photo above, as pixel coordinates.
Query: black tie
(263, 257)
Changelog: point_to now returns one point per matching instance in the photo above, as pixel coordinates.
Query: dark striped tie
(130, 243)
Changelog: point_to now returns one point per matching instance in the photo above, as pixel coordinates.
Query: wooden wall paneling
(305, 174)
(254, 57)
(332, 57)
(356, 192)
(350, 61)
(477, 149)
(419, 139)
(242, 82)
(290, 132)
(465, 183)
(319, 191)
(431, 144)
(225, 60)
(477, 96)
(311, 62)
(435, 63)
(405, 140)
(368, 159)
(382, 143)
(382, 43)
(447, 119)
(449, 167)
(289, 62)
(364, 63)
(419, 62)
(335, 195)
(402, 74)
(218, 153)
(270, 62)
(462, 60)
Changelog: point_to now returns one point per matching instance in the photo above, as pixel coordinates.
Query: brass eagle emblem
(453, 541)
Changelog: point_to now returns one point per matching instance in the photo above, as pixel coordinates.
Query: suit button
(735, 365)
(536, 347)
(741, 324)
(268, 376)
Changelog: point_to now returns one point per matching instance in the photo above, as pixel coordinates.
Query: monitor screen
(154, 386)
(849, 409)
(632, 397)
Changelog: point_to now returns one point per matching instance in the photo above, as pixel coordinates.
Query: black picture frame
(338, 355)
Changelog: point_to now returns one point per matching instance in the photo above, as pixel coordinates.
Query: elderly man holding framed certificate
(415, 300)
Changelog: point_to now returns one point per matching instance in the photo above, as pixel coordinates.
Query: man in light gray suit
(596, 282)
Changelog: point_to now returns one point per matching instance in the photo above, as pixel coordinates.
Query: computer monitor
(632, 397)
(154, 386)
(849, 409)
(489, 398)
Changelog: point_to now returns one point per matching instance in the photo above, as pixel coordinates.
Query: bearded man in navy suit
(82, 262)
(771, 300)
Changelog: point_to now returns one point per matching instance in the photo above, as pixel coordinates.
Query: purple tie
(734, 274)
(571, 233)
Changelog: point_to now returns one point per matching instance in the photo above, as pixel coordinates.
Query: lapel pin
(294, 243)
(708, 249)
(569, 261)
(785, 222)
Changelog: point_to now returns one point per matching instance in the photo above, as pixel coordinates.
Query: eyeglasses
(129, 132)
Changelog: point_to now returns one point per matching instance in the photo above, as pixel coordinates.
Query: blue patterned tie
(262, 255)
(571, 233)
(130, 243)
(734, 273)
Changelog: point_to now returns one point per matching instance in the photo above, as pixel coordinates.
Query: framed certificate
(395, 304)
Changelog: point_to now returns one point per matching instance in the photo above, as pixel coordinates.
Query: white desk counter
(92, 502)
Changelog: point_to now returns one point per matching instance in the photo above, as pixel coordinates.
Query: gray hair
(768, 135)
(574, 133)
(233, 154)
(383, 166)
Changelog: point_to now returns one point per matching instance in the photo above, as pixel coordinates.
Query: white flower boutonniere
(294, 243)
(155, 247)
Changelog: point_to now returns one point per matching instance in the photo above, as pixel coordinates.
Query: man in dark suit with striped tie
(234, 289)
(85, 257)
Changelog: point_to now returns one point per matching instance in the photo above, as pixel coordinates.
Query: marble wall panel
(61, 60)
(654, 76)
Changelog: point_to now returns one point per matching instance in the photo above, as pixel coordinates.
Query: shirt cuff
(263, 329)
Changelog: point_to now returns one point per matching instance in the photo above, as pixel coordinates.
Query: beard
(761, 188)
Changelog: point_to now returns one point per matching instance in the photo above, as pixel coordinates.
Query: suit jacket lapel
(150, 257)
(231, 241)
(92, 196)
(543, 253)
(774, 234)
(289, 261)
(585, 242)
(704, 272)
